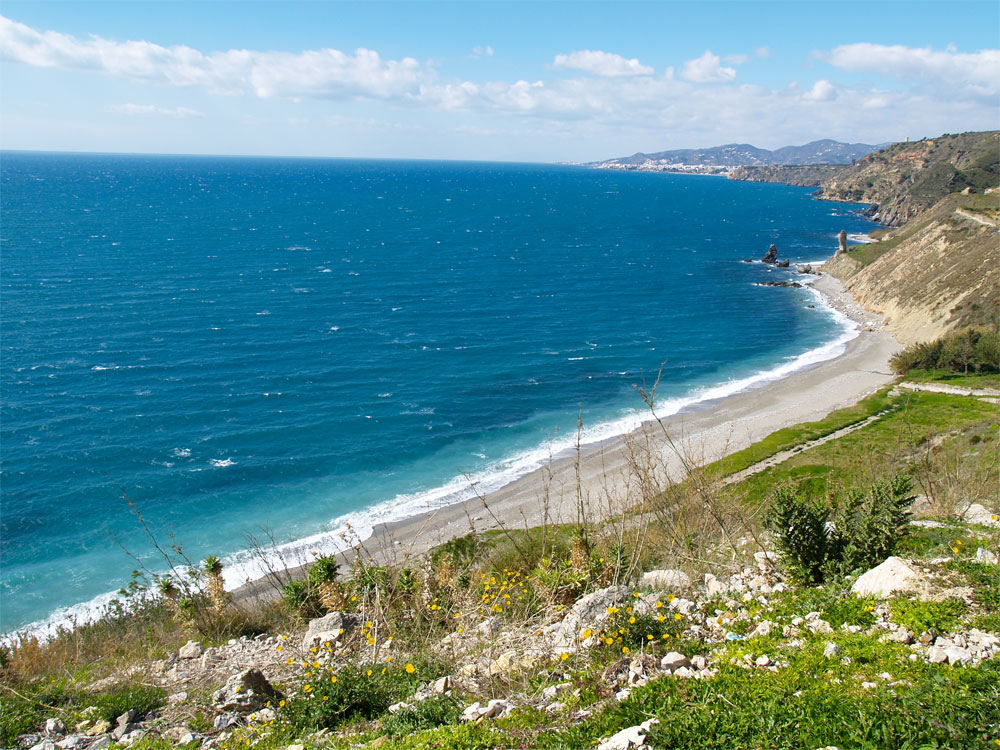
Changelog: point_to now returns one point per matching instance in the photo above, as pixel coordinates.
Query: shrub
(329, 698)
(435, 711)
(301, 597)
(819, 539)
(801, 528)
(870, 524)
(961, 350)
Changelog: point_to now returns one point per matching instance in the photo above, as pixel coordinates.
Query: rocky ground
(755, 619)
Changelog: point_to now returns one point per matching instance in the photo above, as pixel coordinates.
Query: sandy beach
(604, 478)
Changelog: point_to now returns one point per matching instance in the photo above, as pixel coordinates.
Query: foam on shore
(354, 528)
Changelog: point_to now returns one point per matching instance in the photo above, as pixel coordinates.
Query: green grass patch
(790, 437)
(27, 709)
(947, 377)
(879, 449)
(813, 702)
(919, 615)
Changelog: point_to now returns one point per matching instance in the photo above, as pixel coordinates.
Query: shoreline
(710, 430)
(704, 430)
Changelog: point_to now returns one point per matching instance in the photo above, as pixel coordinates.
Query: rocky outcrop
(328, 629)
(892, 576)
(771, 256)
(905, 179)
(245, 692)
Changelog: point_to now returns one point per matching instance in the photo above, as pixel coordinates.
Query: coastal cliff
(905, 179)
(803, 175)
(939, 272)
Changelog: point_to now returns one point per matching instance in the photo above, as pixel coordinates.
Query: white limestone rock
(893, 575)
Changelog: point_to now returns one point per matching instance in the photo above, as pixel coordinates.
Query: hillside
(803, 175)
(824, 151)
(940, 271)
(904, 179)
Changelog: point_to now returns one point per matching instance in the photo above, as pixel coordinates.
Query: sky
(505, 81)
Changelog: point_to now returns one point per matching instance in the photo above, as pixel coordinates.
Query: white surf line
(784, 455)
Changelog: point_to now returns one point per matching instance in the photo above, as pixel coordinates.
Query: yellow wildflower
(410, 669)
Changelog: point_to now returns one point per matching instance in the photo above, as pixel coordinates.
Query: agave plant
(323, 577)
(216, 588)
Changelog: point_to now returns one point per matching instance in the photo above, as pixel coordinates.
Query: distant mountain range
(825, 151)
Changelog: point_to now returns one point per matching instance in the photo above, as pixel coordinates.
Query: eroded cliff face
(940, 271)
(905, 179)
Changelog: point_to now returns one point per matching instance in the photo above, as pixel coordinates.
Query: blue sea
(251, 344)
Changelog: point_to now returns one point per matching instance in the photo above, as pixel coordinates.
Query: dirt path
(981, 219)
(953, 390)
(782, 456)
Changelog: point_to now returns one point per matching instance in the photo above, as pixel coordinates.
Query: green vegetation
(820, 538)
(25, 710)
(960, 351)
(918, 615)
(871, 695)
(791, 437)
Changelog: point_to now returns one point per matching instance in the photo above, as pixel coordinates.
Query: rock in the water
(891, 576)
(328, 629)
(246, 691)
(781, 263)
(190, 650)
(666, 579)
(629, 737)
(793, 284)
(771, 256)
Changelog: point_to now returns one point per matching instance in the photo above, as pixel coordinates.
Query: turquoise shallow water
(241, 343)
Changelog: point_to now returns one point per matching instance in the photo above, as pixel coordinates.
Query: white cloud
(764, 53)
(479, 51)
(325, 73)
(947, 73)
(707, 69)
(150, 109)
(609, 99)
(822, 91)
(601, 63)
(736, 59)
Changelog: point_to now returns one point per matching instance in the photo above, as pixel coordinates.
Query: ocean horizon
(280, 346)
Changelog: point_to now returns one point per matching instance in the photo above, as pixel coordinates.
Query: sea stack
(771, 256)
(842, 237)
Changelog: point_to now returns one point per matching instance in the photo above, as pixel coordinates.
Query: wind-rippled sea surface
(241, 343)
